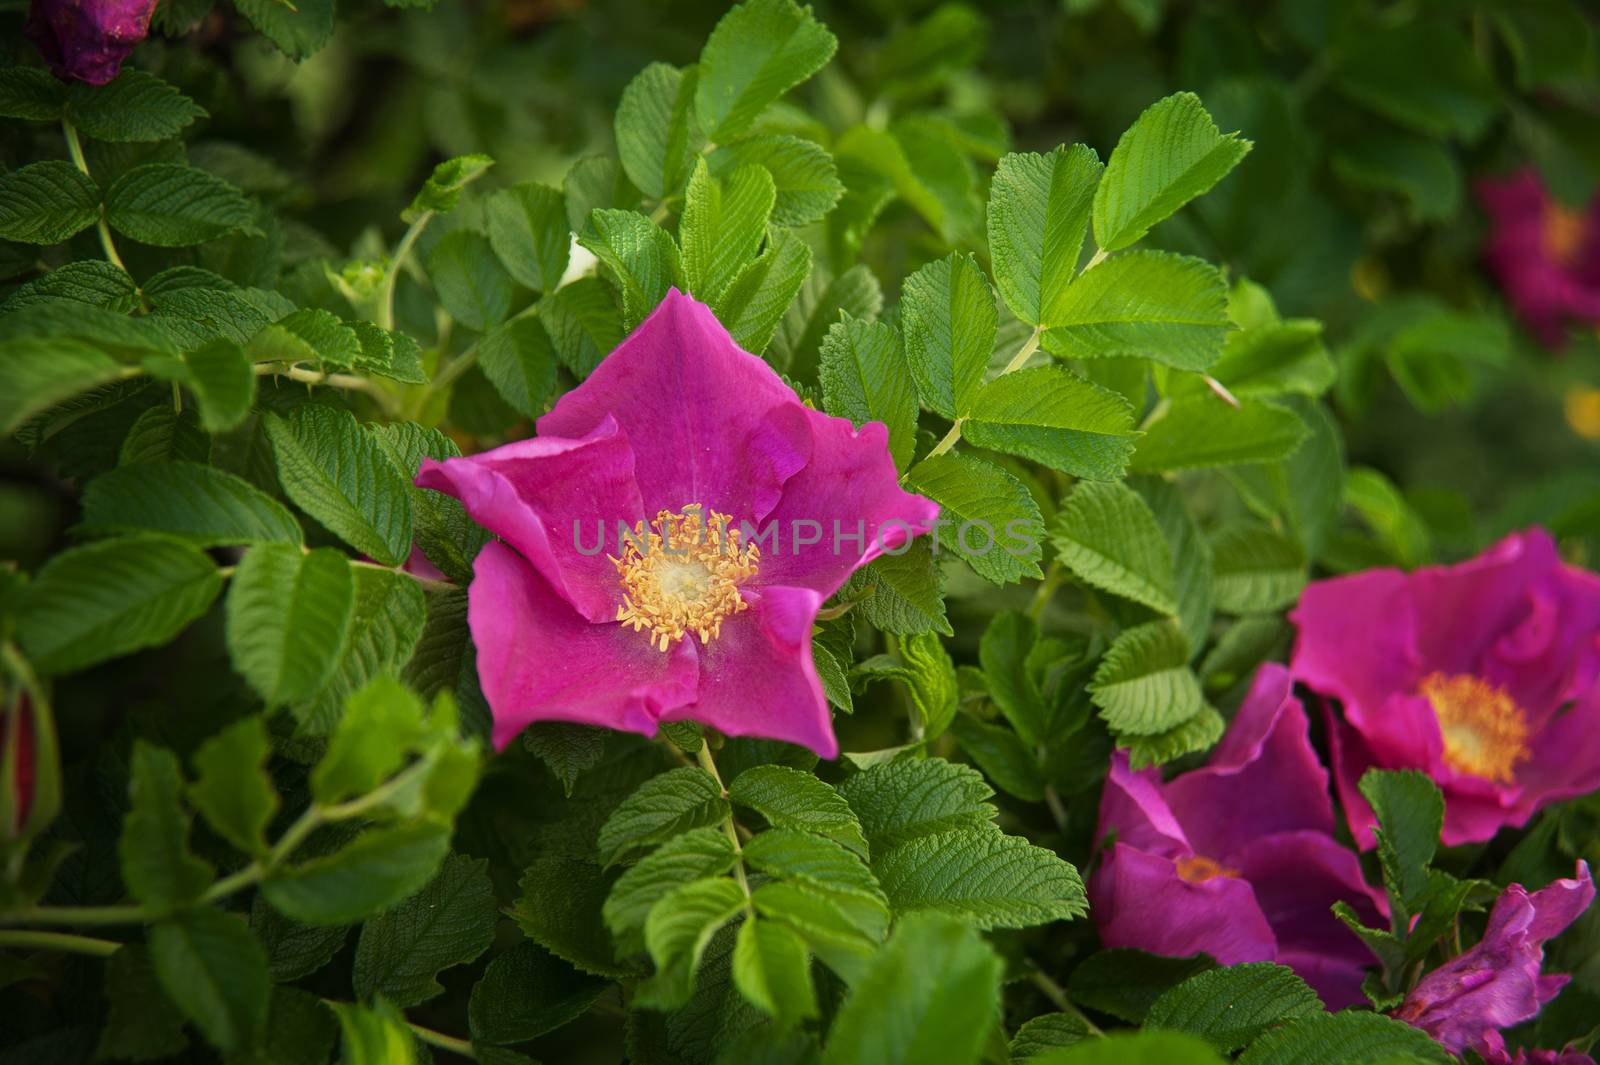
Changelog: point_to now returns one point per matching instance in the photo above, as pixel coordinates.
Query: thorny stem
(75, 149)
(710, 766)
(100, 948)
(332, 380)
(1029, 346)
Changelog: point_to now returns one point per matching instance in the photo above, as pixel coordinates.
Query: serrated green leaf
(1126, 983)
(1038, 212)
(390, 611)
(1003, 756)
(1229, 1007)
(339, 475)
(382, 866)
(653, 126)
(1144, 686)
(793, 799)
(47, 202)
(803, 172)
(221, 378)
(987, 878)
(213, 969)
(448, 538)
(1255, 569)
(903, 800)
(1168, 308)
(843, 928)
(948, 318)
(566, 748)
(1050, 415)
(757, 298)
(298, 31)
(174, 206)
(865, 378)
(991, 517)
(904, 592)
(233, 790)
(288, 619)
(1108, 537)
(659, 809)
(161, 435)
(61, 320)
(796, 346)
(677, 932)
(791, 854)
(584, 324)
(108, 599)
(527, 226)
(1196, 734)
(442, 191)
(375, 1035)
(694, 855)
(449, 922)
(724, 221)
(1410, 812)
(526, 992)
(91, 281)
(1173, 153)
(758, 51)
(519, 360)
(1202, 430)
(469, 279)
(772, 970)
(560, 908)
(37, 374)
(1040, 1035)
(1003, 652)
(309, 335)
(30, 93)
(136, 106)
(381, 723)
(200, 504)
(157, 865)
(1424, 75)
(643, 257)
(1346, 1038)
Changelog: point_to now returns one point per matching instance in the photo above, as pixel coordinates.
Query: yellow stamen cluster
(1485, 732)
(681, 574)
(1563, 231)
(1197, 869)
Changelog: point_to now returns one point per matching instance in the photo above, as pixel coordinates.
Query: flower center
(681, 574)
(1197, 869)
(1485, 732)
(1563, 232)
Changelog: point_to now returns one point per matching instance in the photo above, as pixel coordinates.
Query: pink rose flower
(1465, 1002)
(1482, 675)
(1545, 255)
(87, 40)
(667, 540)
(1236, 859)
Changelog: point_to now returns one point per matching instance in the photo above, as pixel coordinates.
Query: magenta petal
(847, 503)
(1357, 639)
(552, 499)
(712, 424)
(1134, 809)
(1463, 610)
(87, 39)
(1138, 900)
(757, 678)
(1559, 903)
(1264, 776)
(539, 660)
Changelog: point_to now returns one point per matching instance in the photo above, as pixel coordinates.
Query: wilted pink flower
(740, 511)
(1236, 859)
(1482, 675)
(1546, 255)
(88, 39)
(1465, 1002)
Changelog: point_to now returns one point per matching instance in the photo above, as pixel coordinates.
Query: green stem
(1058, 997)
(1054, 575)
(392, 275)
(428, 584)
(1029, 346)
(78, 916)
(710, 766)
(442, 1041)
(100, 948)
(332, 380)
(75, 149)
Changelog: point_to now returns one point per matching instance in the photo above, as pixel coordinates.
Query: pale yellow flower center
(1485, 732)
(681, 574)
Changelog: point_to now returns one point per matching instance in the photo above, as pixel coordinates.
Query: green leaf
(340, 476)
(527, 992)
(1144, 685)
(37, 374)
(157, 865)
(1190, 552)
(234, 792)
(1107, 536)
(520, 362)
(220, 376)
(661, 807)
(1168, 308)
(1204, 431)
(1273, 359)
(1410, 811)
(469, 279)
(108, 599)
(442, 191)
(382, 866)
(759, 50)
(757, 298)
(791, 798)
(1346, 1038)
(560, 908)
(1173, 153)
(60, 321)
(694, 855)
(790, 854)
(310, 335)
(772, 969)
(931, 994)
(30, 93)
(907, 592)
(641, 255)
(449, 922)
(843, 928)
(448, 538)
(174, 206)
(796, 346)
(1052, 416)
(390, 611)
(91, 281)
(653, 126)
(161, 435)
(584, 323)
(677, 932)
(527, 226)
(993, 521)
(1134, 1048)
(1046, 1032)
(298, 31)
(293, 949)
(865, 378)
(45, 203)
(1255, 569)
(904, 800)
(381, 723)
(1550, 41)
(200, 504)
(141, 1022)
(215, 971)
(724, 221)
(1196, 734)
(567, 749)
(299, 1027)
(375, 1035)
(948, 317)
(136, 106)
(1229, 1008)
(1038, 211)
(1003, 652)
(804, 174)
(987, 878)
(1002, 755)
(1426, 75)
(1126, 983)
(288, 619)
